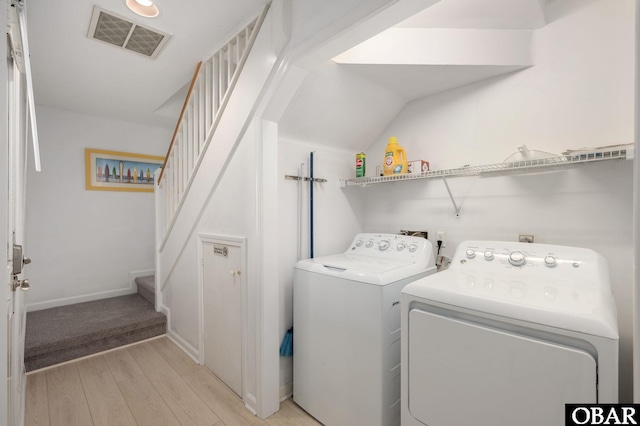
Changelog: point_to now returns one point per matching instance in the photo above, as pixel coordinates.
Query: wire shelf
(577, 157)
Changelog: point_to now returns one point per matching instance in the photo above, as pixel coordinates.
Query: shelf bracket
(453, 201)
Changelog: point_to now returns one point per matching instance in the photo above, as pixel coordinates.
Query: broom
(286, 348)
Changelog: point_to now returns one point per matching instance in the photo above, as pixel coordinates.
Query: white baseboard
(135, 274)
(38, 306)
(178, 340)
(250, 403)
(286, 391)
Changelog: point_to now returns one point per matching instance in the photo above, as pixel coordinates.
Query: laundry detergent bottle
(395, 159)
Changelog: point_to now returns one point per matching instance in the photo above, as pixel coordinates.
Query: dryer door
(462, 373)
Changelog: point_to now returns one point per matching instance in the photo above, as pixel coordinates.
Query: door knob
(22, 284)
(26, 260)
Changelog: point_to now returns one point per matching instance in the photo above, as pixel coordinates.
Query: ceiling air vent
(113, 29)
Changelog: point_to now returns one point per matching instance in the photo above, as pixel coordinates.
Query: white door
(223, 276)
(15, 213)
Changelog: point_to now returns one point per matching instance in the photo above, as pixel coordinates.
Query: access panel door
(461, 373)
(223, 312)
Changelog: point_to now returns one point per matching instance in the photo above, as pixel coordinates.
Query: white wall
(580, 94)
(85, 243)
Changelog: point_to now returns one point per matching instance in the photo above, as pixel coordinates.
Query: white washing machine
(346, 333)
(507, 335)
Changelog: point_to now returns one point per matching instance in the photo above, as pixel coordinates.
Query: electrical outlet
(525, 238)
(440, 235)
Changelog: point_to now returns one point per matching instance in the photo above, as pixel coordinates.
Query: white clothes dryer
(508, 335)
(346, 328)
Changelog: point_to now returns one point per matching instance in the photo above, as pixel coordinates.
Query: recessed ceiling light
(144, 8)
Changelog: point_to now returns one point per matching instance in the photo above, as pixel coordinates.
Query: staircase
(69, 332)
(147, 288)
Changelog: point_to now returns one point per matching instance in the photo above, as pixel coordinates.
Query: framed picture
(120, 171)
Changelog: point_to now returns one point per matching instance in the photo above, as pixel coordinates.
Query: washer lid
(559, 304)
(365, 269)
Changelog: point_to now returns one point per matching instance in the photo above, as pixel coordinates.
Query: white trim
(250, 403)
(268, 330)
(184, 345)
(241, 243)
(159, 210)
(38, 306)
(136, 274)
(286, 391)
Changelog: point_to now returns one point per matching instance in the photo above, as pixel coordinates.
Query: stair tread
(148, 282)
(51, 329)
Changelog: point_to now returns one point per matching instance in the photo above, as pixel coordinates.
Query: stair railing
(212, 84)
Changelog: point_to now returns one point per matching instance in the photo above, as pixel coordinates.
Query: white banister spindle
(202, 125)
(208, 98)
(234, 56)
(216, 86)
(229, 72)
(191, 134)
(183, 152)
(223, 72)
(210, 89)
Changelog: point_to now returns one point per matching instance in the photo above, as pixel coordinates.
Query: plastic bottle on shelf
(395, 158)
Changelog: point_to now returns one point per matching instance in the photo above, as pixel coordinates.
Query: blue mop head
(286, 348)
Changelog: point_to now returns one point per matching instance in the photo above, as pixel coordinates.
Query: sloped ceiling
(347, 104)
(73, 72)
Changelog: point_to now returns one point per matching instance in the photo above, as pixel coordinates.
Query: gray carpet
(147, 288)
(69, 332)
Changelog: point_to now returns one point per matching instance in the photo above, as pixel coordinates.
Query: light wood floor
(151, 383)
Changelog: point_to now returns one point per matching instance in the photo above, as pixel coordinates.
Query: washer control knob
(401, 246)
(383, 245)
(470, 253)
(413, 247)
(369, 244)
(488, 255)
(550, 261)
(359, 243)
(517, 258)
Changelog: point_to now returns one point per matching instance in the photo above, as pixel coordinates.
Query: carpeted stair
(147, 288)
(69, 332)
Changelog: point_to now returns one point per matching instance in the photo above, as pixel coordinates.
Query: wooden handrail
(184, 108)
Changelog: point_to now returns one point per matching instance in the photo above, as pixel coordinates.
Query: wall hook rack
(304, 178)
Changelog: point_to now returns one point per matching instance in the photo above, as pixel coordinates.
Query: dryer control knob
(470, 253)
(383, 245)
(517, 258)
(550, 261)
(413, 247)
(401, 246)
(359, 243)
(488, 255)
(369, 244)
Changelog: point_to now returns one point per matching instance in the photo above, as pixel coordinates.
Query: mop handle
(311, 205)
